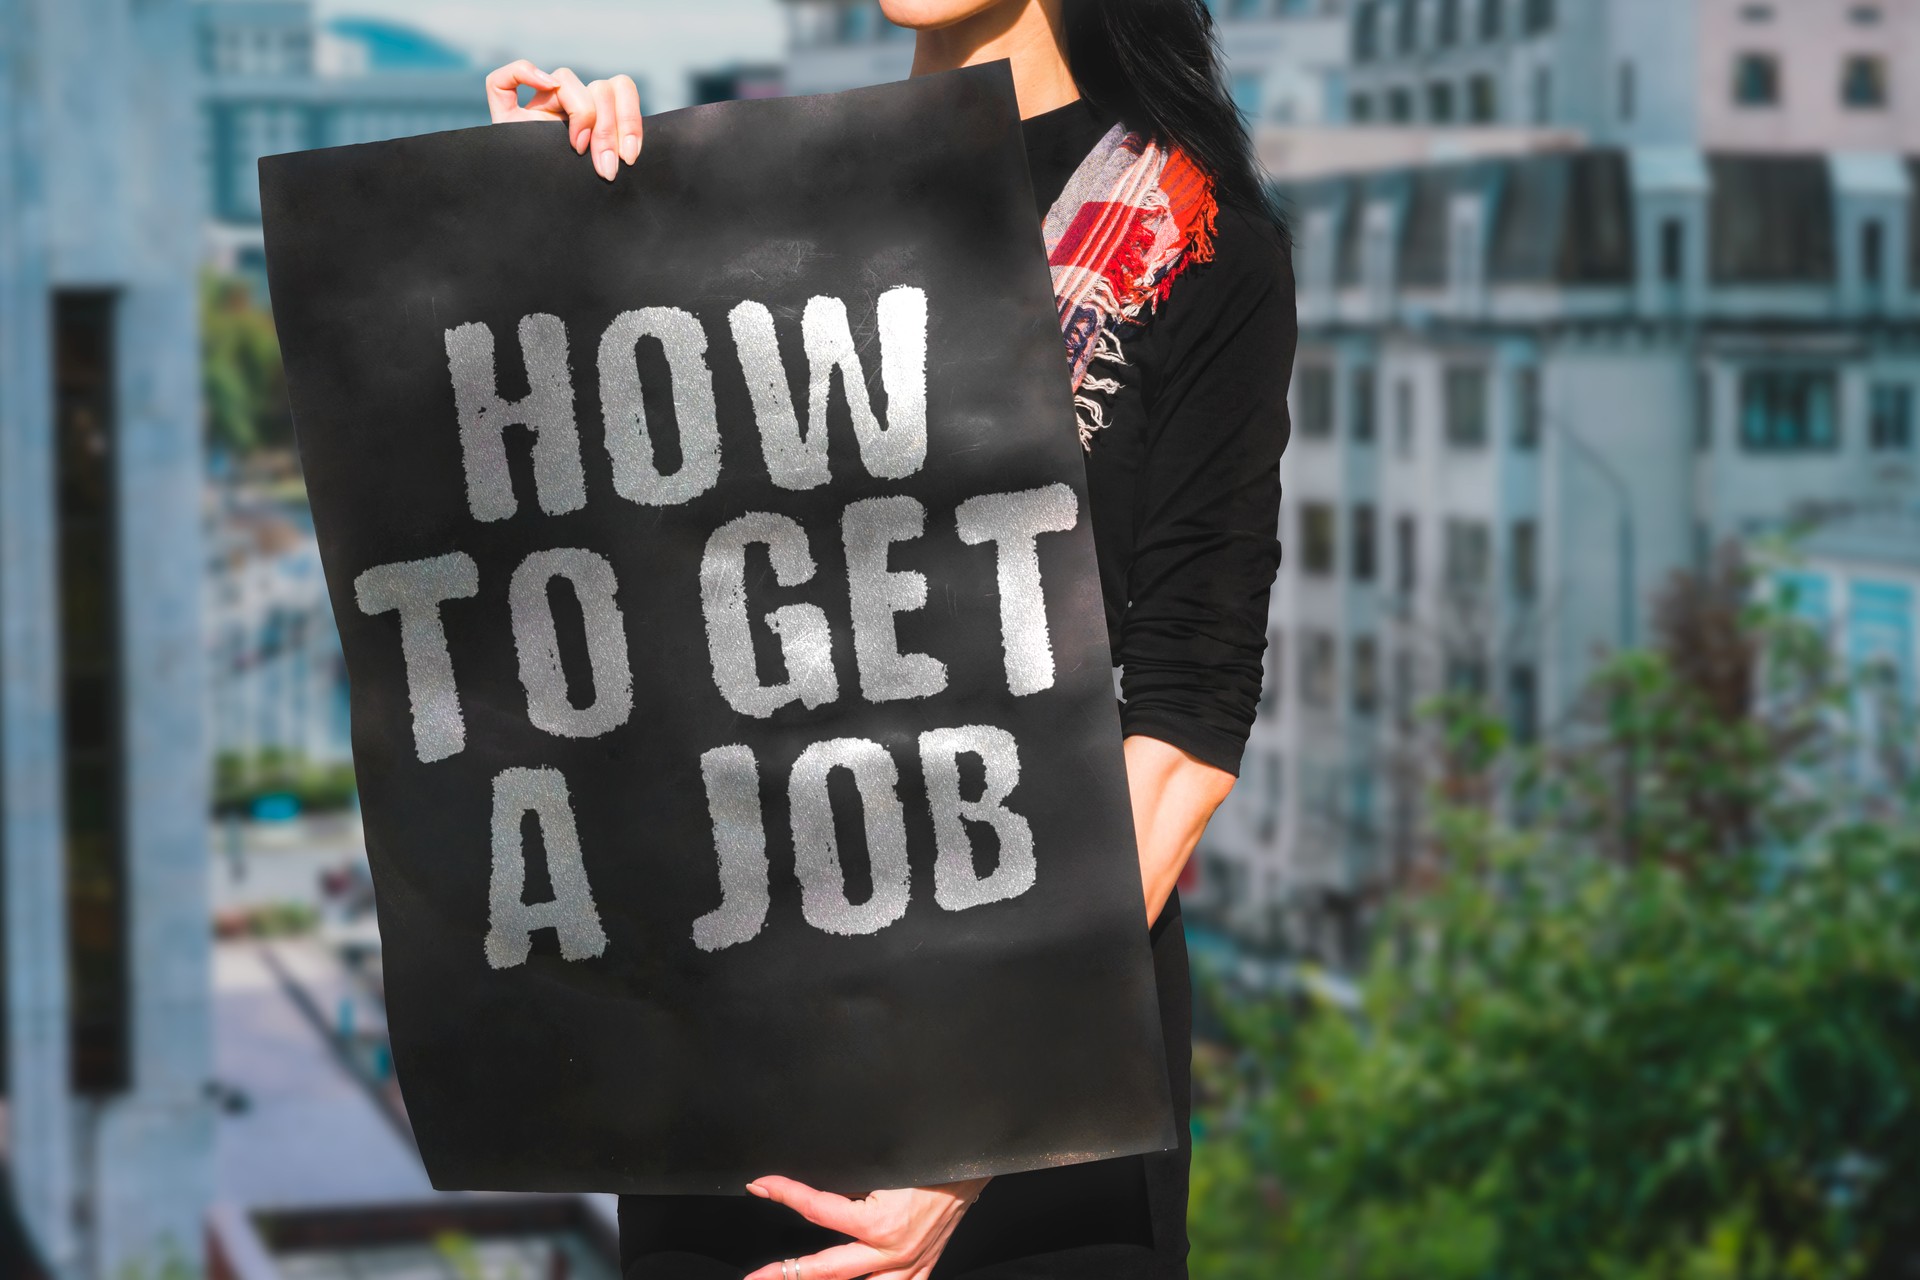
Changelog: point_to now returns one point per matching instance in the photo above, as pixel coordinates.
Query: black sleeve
(1208, 512)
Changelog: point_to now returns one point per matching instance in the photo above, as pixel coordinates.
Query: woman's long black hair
(1157, 65)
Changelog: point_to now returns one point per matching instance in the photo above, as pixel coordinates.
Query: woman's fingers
(577, 104)
(626, 102)
(835, 1213)
(606, 120)
(503, 90)
(842, 1262)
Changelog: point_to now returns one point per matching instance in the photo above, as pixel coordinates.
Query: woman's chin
(931, 15)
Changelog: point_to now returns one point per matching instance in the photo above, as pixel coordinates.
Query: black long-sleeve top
(1184, 481)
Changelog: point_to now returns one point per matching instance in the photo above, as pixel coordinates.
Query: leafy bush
(1670, 1029)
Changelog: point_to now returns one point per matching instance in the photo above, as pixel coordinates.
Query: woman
(1179, 356)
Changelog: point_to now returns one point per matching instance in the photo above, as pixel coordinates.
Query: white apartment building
(1775, 75)
(1528, 390)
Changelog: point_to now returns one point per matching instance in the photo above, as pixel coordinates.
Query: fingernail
(580, 140)
(630, 148)
(757, 1190)
(606, 164)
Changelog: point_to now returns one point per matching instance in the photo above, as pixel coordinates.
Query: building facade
(1286, 60)
(1528, 390)
(103, 775)
(272, 79)
(277, 677)
(1783, 75)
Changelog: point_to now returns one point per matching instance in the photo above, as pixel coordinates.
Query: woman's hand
(603, 117)
(897, 1235)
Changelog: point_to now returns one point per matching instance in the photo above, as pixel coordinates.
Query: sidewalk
(311, 1134)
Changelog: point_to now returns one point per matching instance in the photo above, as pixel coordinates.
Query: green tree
(1668, 1028)
(243, 385)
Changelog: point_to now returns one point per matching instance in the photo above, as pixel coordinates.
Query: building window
(1872, 251)
(1467, 674)
(1525, 562)
(1316, 401)
(1493, 15)
(1467, 407)
(1409, 35)
(1317, 671)
(1788, 410)
(1892, 426)
(1469, 555)
(1542, 95)
(1366, 32)
(1703, 411)
(1863, 82)
(1756, 13)
(1406, 554)
(1483, 100)
(1366, 676)
(1864, 15)
(1317, 538)
(1626, 88)
(856, 23)
(1440, 102)
(1403, 417)
(1246, 96)
(1364, 555)
(1527, 408)
(1246, 8)
(1273, 687)
(1406, 699)
(1362, 414)
(1538, 17)
(1360, 110)
(1523, 703)
(1400, 105)
(93, 751)
(1673, 250)
(1448, 32)
(1756, 80)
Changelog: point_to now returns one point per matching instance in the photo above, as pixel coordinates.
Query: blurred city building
(1529, 389)
(843, 44)
(1785, 75)
(103, 768)
(272, 78)
(736, 81)
(1856, 577)
(1286, 59)
(277, 680)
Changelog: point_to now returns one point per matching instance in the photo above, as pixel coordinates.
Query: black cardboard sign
(731, 699)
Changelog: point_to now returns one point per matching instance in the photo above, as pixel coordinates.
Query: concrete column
(152, 1147)
(32, 834)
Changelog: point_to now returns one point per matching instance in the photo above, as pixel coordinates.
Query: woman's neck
(1027, 34)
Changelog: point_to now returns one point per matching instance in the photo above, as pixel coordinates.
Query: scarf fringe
(1123, 257)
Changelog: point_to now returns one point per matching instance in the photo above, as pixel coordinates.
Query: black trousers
(1122, 1219)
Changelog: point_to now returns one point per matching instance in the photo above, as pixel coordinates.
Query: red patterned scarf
(1131, 219)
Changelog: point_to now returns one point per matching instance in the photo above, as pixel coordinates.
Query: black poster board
(732, 706)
